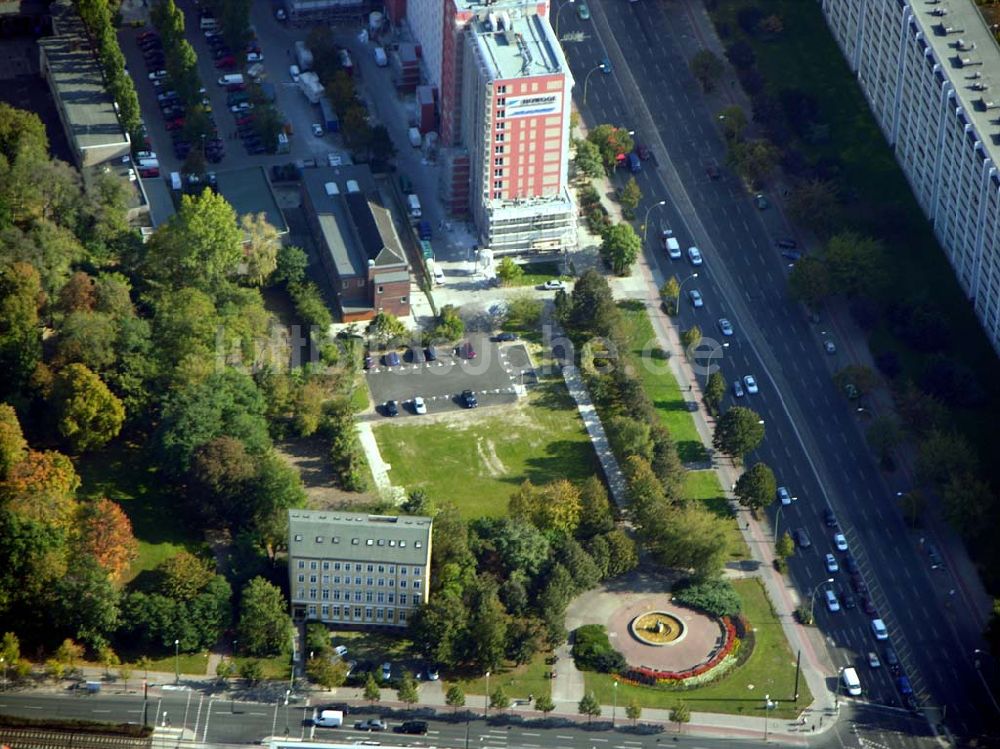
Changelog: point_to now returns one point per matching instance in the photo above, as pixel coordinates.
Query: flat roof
(517, 47)
(969, 54)
(356, 227)
(249, 191)
(79, 82)
(358, 536)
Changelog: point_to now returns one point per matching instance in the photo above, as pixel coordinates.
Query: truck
(329, 115)
(328, 718)
(415, 139)
(303, 56)
(311, 87)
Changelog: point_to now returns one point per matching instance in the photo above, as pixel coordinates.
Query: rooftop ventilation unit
(939, 12)
(331, 188)
(963, 46)
(352, 186)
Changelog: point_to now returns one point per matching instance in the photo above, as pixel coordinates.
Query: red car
(226, 62)
(245, 119)
(147, 173)
(176, 124)
(233, 88)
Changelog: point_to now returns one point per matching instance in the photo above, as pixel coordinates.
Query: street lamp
(586, 79)
(487, 700)
(559, 13)
(777, 518)
(812, 604)
(3, 662)
(982, 678)
(767, 709)
(711, 356)
(645, 221)
(177, 661)
(614, 707)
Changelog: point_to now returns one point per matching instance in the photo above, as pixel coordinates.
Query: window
(369, 541)
(336, 565)
(336, 539)
(336, 595)
(325, 594)
(301, 593)
(357, 612)
(370, 568)
(392, 598)
(381, 568)
(357, 596)
(392, 569)
(312, 611)
(370, 581)
(497, 184)
(336, 612)
(298, 536)
(312, 565)
(381, 542)
(391, 582)
(402, 617)
(312, 579)
(326, 579)
(357, 568)
(368, 612)
(402, 599)
(368, 596)
(380, 597)
(416, 585)
(302, 565)
(336, 579)
(326, 565)
(402, 544)
(388, 615)
(379, 614)
(381, 582)
(403, 570)
(392, 542)
(326, 611)
(357, 581)
(501, 89)
(319, 539)
(402, 300)
(498, 172)
(302, 578)
(312, 594)
(402, 583)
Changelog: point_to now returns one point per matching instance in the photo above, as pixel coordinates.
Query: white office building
(931, 72)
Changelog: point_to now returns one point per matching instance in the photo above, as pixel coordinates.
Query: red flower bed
(651, 676)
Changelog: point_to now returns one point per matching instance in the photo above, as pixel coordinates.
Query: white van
(414, 203)
(232, 78)
(209, 24)
(852, 684)
(175, 181)
(673, 248)
(328, 718)
(436, 272)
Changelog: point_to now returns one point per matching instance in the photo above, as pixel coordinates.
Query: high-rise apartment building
(354, 569)
(930, 70)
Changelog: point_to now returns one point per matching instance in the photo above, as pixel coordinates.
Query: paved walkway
(380, 469)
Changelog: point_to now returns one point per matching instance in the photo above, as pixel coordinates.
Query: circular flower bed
(657, 628)
(721, 661)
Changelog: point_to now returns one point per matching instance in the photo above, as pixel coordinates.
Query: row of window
(359, 596)
(382, 582)
(357, 614)
(368, 541)
(358, 567)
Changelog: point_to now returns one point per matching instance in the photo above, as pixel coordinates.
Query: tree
(734, 122)
(785, 546)
(622, 551)
(630, 197)
(633, 710)
(200, 246)
(620, 248)
(809, 281)
(264, 627)
(450, 326)
(326, 672)
(555, 506)
(226, 670)
(524, 311)
(670, 293)
(612, 142)
(715, 391)
(41, 488)
(386, 327)
(814, 204)
(647, 498)
(20, 333)
(487, 632)
(499, 699)
(219, 475)
(707, 68)
(857, 264)
(756, 487)
(739, 431)
(260, 249)
(680, 714)
(544, 704)
(252, 671)
(595, 509)
(184, 576)
(588, 159)
(406, 692)
(291, 265)
(108, 658)
(689, 536)
(753, 159)
(629, 436)
(454, 697)
(88, 338)
(589, 706)
(106, 535)
(509, 271)
(883, 436)
(86, 602)
(124, 673)
(968, 504)
(372, 692)
(310, 306)
(78, 294)
(855, 380)
(690, 339)
(13, 446)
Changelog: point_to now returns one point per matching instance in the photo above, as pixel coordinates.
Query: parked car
(829, 518)
(391, 408)
(784, 496)
(879, 629)
(553, 284)
(294, 73)
(469, 399)
(504, 337)
(387, 671)
(340, 650)
(419, 405)
(391, 359)
(873, 659)
(431, 354)
(831, 563)
(467, 350)
(226, 62)
(317, 129)
(415, 727)
(582, 10)
(802, 538)
(158, 75)
(829, 346)
(840, 541)
(416, 354)
(374, 724)
(751, 384)
(725, 327)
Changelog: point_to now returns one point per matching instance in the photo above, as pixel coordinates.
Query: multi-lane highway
(815, 441)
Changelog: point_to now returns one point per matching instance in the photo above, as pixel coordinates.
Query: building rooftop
(356, 536)
(249, 191)
(515, 45)
(79, 82)
(356, 226)
(966, 49)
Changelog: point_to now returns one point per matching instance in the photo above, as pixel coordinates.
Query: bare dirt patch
(309, 456)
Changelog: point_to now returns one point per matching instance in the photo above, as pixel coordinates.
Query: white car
(840, 541)
(878, 628)
(725, 326)
(419, 407)
(695, 296)
(783, 496)
(294, 72)
(243, 106)
(553, 284)
(158, 75)
(340, 650)
(255, 57)
(831, 563)
(145, 155)
(694, 255)
(831, 601)
(317, 130)
(751, 382)
(873, 659)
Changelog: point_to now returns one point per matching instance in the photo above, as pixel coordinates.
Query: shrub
(592, 650)
(715, 597)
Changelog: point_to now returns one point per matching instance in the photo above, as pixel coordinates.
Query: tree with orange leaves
(41, 488)
(106, 534)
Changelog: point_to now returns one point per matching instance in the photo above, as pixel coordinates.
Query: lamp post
(559, 13)
(614, 707)
(177, 661)
(777, 518)
(680, 286)
(982, 678)
(645, 221)
(812, 598)
(767, 709)
(708, 369)
(586, 79)
(487, 700)
(3, 662)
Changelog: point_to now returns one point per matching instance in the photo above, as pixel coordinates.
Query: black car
(418, 727)
(851, 564)
(802, 538)
(847, 600)
(786, 243)
(391, 408)
(829, 518)
(417, 355)
(891, 659)
(934, 556)
(431, 354)
(469, 399)
(868, 606)
(506, 336)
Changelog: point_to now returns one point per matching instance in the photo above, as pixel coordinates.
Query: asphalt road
(815, 439)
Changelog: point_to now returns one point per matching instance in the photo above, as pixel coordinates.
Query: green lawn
(704, 486)
(659, 382)
(276, 667)
(190, 663)
(769, 670)
(517, 682)
(477, 461)
(538, 273)
(122, 473)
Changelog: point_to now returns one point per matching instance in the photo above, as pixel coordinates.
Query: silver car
(695, 296)
(725, 326)
(694, 255)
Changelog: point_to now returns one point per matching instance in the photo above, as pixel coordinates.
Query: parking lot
(493, 375)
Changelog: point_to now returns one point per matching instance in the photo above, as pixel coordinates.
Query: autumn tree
(79, 294)
(41, 488)
(260, 249)
(185, 576)
(386, 327)
(630, 197)
(554, 506)
(815, 204)
(89, 415)
(106, 534)
(612, 142)
(13, 446)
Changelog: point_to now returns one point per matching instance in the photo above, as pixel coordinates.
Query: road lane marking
(561, 736)
(100, 711)
(524, 733)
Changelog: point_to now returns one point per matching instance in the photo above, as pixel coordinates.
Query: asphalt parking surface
(492, 376)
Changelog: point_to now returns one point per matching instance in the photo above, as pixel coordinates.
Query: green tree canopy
(756, 487)
(738, 432)
(707, 68)
(588, 159)
(88, 414)
(508, 271)
(386, 327)
(264, 627)
(612, 142)
(589, 706)
(809, 281)
(620, 248)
